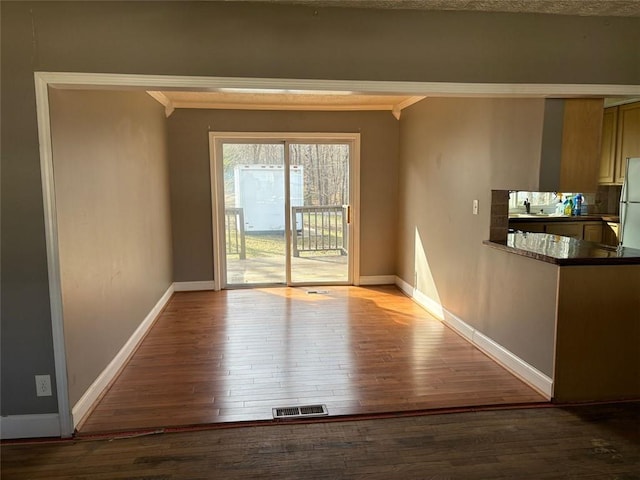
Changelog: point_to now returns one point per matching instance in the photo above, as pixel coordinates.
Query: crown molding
(164, 101)
(445, 89)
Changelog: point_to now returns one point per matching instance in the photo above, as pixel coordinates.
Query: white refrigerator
(630, 206)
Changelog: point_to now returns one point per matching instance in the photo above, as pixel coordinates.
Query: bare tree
(325, 167)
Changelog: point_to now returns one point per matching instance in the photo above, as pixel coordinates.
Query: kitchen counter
(564, 250)
(552, 218)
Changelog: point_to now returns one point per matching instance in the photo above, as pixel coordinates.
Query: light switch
(475, 207)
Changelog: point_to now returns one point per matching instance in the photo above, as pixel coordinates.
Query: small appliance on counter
(630, 206)
(577, 204)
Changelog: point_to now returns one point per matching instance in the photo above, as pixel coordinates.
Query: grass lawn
(273, 244)
(264, 245)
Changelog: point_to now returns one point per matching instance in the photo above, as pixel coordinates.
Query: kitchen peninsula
(562, 250)
(596, 330)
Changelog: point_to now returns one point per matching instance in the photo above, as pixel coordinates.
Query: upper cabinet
(571, 145)
(628, 141)
(620, 140)
(608, 156)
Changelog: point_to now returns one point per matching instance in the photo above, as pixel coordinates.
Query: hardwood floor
(234, 355)
(579, 442)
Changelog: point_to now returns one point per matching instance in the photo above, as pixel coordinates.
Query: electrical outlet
(475, 207)
(43, 385)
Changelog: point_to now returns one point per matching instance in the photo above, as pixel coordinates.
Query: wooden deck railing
(319, 229)
(235, 241)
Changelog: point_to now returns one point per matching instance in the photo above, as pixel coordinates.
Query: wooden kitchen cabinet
(571, 145)
(566, 229)
(620, 140)
(535, 227)
(610, 233)
(592, 232)
(628, 137)
(608, 154)
(581, 144)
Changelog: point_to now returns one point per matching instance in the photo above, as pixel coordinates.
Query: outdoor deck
(271, 269)
(319, 248)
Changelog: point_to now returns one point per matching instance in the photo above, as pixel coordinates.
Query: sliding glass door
(320, 207)
(254, 223)
(282, 210)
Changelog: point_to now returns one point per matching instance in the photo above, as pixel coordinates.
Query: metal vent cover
(300, 412)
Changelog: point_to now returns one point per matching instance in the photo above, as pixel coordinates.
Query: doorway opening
(284, 208)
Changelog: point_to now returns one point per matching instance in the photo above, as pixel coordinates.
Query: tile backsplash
(608, 199)
(499, 215)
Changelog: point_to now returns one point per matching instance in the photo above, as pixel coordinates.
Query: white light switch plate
(475, 207)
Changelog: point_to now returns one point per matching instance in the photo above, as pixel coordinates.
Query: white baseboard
(93, 393)
(378, 280)
(30, 426)
(459, 325)
(521, 369)
(430, 305)
(404, 286)
(193, 286)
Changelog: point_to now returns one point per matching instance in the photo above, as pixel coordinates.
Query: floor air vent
(301, 412)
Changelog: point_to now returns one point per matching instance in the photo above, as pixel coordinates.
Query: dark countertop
(581, 218)
(565, 250)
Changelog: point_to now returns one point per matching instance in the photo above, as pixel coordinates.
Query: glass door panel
(254, 213)
(319, 200)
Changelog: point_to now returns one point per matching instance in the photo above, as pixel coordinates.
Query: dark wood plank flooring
(580, 442)
(234, 355)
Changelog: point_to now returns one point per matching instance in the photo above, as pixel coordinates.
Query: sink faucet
(527, 205)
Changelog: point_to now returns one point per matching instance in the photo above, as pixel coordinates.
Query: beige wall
(114, 226)
(191, 191)
(452, 152)
(245, 40)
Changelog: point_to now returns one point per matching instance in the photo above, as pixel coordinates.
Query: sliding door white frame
(216, 139)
